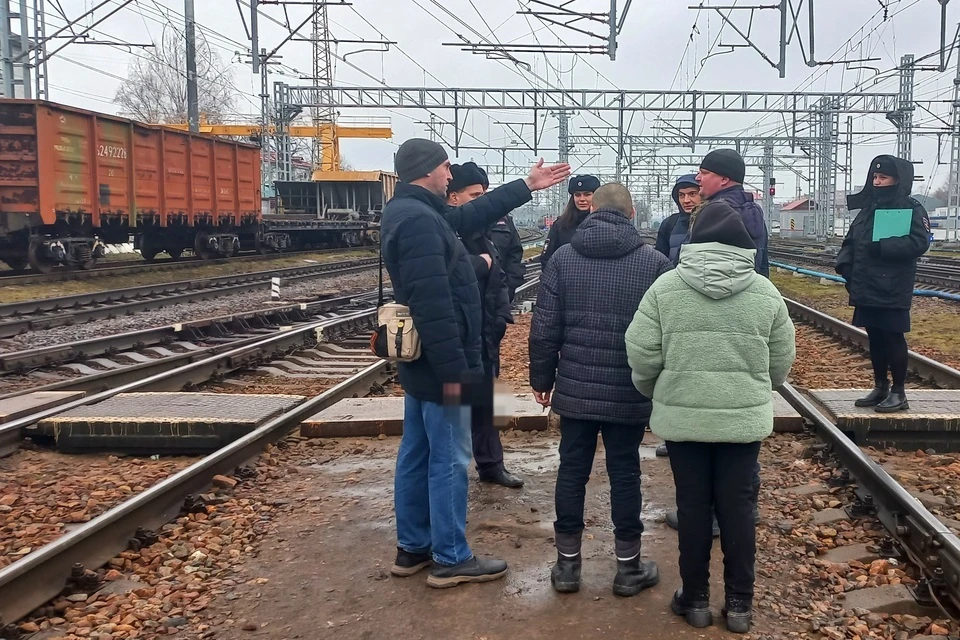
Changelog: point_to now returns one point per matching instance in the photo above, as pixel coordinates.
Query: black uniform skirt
(892, 320)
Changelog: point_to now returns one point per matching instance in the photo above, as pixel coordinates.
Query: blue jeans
(430, 487)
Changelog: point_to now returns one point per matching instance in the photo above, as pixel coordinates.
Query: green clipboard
(891, 223)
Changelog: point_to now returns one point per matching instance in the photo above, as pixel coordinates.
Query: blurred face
(465, 195)
(583, 200)
(883, 180)
(437, 180)
(710, 183)
(689, 198)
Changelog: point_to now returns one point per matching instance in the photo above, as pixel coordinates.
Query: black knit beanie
(417, 157)
(726, 163)
(466, 174)
(718, 222)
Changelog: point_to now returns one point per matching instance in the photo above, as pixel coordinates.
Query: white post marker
(274, 288)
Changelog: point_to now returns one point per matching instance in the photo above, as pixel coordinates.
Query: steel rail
(38, 577)
(928, 541)
(132, 267)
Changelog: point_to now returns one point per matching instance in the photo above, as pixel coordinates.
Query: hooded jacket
(708, 343)
(588, 294)
(882, 274)
(673, 231)
(753, 219)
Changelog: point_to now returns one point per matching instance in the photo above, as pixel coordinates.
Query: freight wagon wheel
(201, 247)
(148, 253)
(176, 254)
(36, 259)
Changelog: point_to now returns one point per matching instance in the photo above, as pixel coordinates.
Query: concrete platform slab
(15, 408)
(163, 422)
(933, 420)
(842, 555)
(375, 416)
(830, 516)
(356, 417)
(887, 599)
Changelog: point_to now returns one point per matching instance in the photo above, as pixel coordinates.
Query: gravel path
(303, 291)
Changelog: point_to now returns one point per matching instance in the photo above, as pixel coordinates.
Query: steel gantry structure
(810, 118)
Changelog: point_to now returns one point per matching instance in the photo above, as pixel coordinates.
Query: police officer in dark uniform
(878, 259)
(468, 183)
(581, 190)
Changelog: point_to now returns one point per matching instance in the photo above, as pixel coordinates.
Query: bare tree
(942, 192)
(156, 86)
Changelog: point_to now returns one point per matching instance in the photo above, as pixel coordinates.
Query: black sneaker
(738, 615)
(565, 574)
(473, 570)
(633, 576)
(695, 610)
(662, 451)
(408, 564)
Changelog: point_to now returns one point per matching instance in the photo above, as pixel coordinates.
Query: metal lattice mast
(827, 121)
(904, 119)
(848, 174)
(326, 149)
(15, 47)
(953, 199)
(40, 49)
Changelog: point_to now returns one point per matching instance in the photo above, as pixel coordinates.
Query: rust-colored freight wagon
(72, 179)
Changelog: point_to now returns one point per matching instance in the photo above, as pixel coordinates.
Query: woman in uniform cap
(878, 259)
(581, 190)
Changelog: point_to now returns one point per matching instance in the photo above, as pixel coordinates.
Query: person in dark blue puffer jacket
(721, 177)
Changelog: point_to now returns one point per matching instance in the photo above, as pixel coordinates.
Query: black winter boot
(633, 574)
(739, 615)
(875, 397)
(565, 575)
(896, 401)
(695, 608)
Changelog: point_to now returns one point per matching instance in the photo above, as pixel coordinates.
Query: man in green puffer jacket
(708, 344)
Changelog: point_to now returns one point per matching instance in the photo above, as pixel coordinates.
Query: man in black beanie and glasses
(468, 183)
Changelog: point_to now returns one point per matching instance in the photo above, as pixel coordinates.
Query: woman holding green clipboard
(878, 259)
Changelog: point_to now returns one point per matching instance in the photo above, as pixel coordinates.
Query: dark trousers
(578, 445)
(487, 449)
(717, 476)
(888, 351)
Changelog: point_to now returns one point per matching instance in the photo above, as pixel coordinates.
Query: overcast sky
(659, 48)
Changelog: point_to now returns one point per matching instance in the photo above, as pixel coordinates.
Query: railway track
(133, 267)
(21, 317)
(39, 576)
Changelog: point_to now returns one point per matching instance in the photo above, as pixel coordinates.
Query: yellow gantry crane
(329, 135)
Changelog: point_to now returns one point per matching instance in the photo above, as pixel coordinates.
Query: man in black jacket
(589, 293)
(431, 273)
(466, 186)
